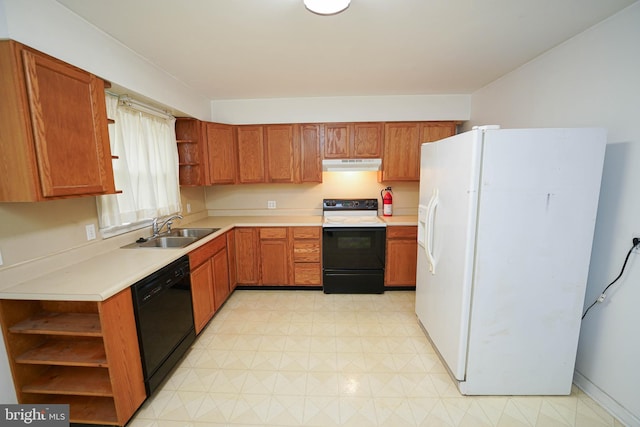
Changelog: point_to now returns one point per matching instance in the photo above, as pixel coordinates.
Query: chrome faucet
(168, 222)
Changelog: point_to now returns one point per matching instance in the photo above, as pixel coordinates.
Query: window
(146, 170)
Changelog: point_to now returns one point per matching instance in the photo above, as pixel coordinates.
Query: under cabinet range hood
(351, 165)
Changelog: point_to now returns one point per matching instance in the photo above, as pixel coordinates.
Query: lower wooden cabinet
(247, 250)
(274, 257)
(402, 248)
(80, 353)
(278, 256)
(306, 256)
(209, 280)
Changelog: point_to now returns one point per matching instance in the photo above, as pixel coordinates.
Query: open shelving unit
(84, 354)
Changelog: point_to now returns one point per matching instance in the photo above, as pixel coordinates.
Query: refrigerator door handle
(430, 226)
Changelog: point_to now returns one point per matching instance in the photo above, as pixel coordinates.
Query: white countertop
(102, 276)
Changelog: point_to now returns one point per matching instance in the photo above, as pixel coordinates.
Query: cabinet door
(337, 139)
(69, 121)
(310, 164)
(401, 160)
(231, 259)
(247, 253)
(220, 265)
(279, 150)
(274, 262)
(402, 249)
(202, 294)
(222, 157)
(433, 131)
(367, 140)
(250, 154)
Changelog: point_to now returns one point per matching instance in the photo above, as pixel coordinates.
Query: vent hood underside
(349, 165)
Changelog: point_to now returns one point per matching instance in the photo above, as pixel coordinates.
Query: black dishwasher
(164, 319)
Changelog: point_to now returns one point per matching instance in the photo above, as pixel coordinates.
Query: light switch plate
(271, 204)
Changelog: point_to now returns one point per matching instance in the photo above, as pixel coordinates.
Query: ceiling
(243, 49)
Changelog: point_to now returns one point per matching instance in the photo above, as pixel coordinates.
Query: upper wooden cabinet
(352, 140)
(279, 150)
(309, 162)
(402, 140)
(367, 140)
(191, 135)
(250, 154)
(222, 158)
(54, 140)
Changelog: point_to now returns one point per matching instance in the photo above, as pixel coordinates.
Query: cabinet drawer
(306, 232)
(273, 232)
(402, 232)
(306, 251)
(307, 274)
(203, 253)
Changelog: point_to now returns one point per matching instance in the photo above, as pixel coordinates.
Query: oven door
(353, 248)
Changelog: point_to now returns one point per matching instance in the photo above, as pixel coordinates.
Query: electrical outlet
(271, 204)
(635, 241)
(188, 207)
(91, 231)
(1, 262)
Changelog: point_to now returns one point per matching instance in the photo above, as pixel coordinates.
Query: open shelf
(83, 409)
(47, 323)
(62, 380)
(89, 352)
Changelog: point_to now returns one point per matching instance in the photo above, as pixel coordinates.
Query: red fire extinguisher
(387, 201)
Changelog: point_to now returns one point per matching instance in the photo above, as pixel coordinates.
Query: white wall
(593, 80)
(48, 26)
(306, 199)
(340, 109)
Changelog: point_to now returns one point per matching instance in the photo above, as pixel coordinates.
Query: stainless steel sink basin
(192, 232)
(168, 242)
(178, 238)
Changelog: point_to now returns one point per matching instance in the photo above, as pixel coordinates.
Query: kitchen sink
(192, 232)
(168, 242)
(177, 238)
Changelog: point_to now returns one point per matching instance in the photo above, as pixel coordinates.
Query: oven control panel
(350, 205)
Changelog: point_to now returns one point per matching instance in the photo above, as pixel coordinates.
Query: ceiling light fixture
(326, 7)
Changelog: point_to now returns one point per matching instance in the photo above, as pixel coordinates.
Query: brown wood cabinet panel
(401, 256)
(247, 256)
(306, 232)
(123, 354)
(250, 154)
(274, 262)
(433, 131)
(306, 251)
(401, 160)
(279, 153)
(220, 264)
(202, 294)
(337, 139)
(222, 157)
(310, 163)
(54, 140)
(367, 140)
(307, 274)
(273, 232)
(231, 258)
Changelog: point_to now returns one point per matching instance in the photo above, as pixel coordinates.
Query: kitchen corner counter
(102, 276)
(400, 220)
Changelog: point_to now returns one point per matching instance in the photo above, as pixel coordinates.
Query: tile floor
(303, 358)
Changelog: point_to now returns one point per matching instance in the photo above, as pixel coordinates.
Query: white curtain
(146, 170)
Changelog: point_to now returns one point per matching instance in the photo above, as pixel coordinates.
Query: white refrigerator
(505, 228)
